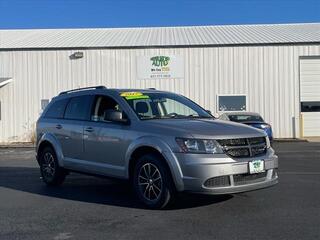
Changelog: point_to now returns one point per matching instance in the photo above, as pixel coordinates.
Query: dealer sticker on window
(133, 95)
(256, 166)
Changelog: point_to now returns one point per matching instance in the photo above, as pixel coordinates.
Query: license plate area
(256, 166)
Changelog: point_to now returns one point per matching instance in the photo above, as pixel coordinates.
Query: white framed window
(231, 102)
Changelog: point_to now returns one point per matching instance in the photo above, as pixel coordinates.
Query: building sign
(160, 66)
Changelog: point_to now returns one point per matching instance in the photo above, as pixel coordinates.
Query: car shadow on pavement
(92, 189)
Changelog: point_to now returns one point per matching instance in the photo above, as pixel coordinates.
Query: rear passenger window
(56, 110)
(78, 108)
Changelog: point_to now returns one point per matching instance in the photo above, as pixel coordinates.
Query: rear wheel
(152, 182)
(52, 174)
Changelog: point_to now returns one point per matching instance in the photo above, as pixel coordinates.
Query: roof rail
(82, 89)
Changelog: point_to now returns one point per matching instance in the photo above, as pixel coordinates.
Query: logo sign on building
(160, 66)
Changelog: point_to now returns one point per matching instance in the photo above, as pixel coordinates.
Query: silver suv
(162, 142)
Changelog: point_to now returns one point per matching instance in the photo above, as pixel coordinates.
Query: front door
(105, 142)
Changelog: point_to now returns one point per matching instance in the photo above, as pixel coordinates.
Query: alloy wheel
(48, 165)
(150, 182)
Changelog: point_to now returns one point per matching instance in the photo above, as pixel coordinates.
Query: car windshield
(245, 118)
(163, 106)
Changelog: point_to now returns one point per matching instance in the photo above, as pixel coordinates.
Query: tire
(52, 174)
(152, 182)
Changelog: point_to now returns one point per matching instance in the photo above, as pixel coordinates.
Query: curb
(18, 145)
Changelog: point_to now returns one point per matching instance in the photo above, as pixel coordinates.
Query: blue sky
(142, 13)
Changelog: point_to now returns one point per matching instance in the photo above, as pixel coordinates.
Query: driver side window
(101, 106)
(143, 107)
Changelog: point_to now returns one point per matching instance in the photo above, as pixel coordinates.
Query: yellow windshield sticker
(133, 95)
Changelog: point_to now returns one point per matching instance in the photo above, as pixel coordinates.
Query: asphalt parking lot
(91, 208)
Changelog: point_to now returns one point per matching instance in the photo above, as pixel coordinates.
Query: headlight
(263, 126)
(199, 146)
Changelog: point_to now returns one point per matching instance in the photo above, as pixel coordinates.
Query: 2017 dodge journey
(162, 142)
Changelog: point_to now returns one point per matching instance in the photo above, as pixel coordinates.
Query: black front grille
(233, 142)
(241, 179)
(221, 181)
(257, 140)
(238, 152)
(259, 150)
(244, 147)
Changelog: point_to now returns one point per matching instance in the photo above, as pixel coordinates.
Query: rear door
(53, 121)
(76, 113)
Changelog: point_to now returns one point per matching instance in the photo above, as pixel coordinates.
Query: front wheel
(52, 174)
(152, 182)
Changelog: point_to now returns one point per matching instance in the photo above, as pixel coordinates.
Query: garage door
(310, 96)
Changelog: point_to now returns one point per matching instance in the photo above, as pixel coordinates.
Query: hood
(203, 128)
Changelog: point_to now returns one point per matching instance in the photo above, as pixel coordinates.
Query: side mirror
(111, 115)
(208, 111)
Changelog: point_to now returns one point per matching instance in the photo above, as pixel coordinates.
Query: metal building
(270, 69)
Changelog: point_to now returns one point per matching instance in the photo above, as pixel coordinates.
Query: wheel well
(42, 146)
(139, 152)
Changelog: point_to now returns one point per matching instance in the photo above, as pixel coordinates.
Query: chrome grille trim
(244, 147)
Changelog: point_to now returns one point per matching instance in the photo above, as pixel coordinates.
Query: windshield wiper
(151, 118)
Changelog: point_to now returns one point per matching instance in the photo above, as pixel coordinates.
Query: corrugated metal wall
(268, 75)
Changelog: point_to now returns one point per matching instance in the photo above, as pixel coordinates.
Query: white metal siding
(310, 92)
(268, 75)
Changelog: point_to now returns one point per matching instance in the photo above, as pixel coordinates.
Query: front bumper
(234, 174)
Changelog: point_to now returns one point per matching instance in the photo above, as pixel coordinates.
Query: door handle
(89, 129)
(58, 126)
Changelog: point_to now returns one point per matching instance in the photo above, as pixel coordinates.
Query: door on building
(310, 96)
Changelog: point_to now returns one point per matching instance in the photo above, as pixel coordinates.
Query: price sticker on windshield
(133, 95)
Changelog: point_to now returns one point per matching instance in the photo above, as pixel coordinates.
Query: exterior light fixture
(76, 55)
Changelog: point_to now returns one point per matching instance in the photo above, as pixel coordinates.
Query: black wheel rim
(48, 166)
(150, 182)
